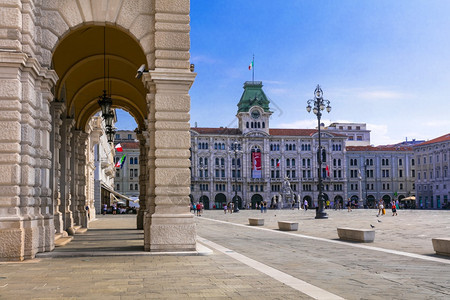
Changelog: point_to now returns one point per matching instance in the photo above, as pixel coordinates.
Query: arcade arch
(56, 78)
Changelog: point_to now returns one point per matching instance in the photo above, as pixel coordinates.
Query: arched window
(303, 147)
(206, 161)
(222, 161)
(131, 187)
(247, 124)
(215, 146)
(293, 163)
(263, 125)
(135, 160)
(118, 187)
(288, 162)
(272, 162)
(200, 161)
(252, 124)
(199, 145)
(287, 147)
(136, 187)
(293, 147)
(217, 161)
(271, 147)
(131, 160)
(238, 161)
(206, 145)
(339, 162)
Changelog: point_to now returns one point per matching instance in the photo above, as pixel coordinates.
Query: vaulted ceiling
(93, 58)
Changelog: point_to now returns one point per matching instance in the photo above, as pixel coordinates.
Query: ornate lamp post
(318, 105)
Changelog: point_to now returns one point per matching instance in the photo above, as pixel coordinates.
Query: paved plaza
(243, 262)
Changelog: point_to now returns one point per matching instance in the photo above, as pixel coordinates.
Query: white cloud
(379, 135)
(203, 59)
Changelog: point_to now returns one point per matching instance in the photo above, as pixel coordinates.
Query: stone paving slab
(411, 230)
(349, 272)
(338, 267)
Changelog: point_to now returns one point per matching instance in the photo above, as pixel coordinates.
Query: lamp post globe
(318, 104)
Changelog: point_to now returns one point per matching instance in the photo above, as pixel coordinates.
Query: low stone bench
(441, 246)
(287, 226)
(255, 222)
(356, 235)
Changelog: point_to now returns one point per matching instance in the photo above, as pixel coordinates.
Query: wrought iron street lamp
(235, 149)
(318, 104)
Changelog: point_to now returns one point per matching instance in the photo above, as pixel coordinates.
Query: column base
(171, 233)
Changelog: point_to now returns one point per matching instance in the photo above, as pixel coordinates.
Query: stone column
(44, 166)
(149, 200)
(143, 177)
(66, 178)
(12, 232)
(82, 178)
(172, 227)
(57, 109)
(78, 184)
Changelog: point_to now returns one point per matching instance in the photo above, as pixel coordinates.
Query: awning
(109, 189)
(413, 198)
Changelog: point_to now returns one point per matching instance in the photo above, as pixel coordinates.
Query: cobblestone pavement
(339, 268)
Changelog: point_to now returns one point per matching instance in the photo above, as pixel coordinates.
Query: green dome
(253, 95)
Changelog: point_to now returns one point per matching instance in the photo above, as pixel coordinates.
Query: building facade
(380, 173)
(126, 181)
(254, 163)
(433, 177)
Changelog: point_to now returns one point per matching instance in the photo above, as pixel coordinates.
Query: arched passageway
(256, 200)
(205, 200)
(92, 50)
(220, 200)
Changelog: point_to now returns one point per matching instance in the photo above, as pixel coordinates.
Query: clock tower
(253, 110)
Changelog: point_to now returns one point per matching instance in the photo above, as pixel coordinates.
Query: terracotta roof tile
(130, 145)
(379, 148)
(443, 138)
(220, 130)
(273, 131)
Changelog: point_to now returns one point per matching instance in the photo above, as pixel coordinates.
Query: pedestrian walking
(199, 209)
(381, 209)
(349, 205)
(305, 205)
(225, 208)
(394, 209)
(104, 208)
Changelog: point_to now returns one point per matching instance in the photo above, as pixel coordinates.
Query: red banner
(256, 165)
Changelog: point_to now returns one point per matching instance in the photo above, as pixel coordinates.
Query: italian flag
(250, 66)
(119, 164)
(119, 148)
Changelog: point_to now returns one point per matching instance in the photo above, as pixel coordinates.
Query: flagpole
(253, 69)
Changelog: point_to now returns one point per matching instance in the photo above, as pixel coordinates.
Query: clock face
(255, 114)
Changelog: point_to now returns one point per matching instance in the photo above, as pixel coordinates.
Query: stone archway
(220, 200)
(205, 200)
(54, 97)
(256, 200)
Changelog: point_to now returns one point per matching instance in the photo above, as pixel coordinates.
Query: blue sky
(384, 63)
